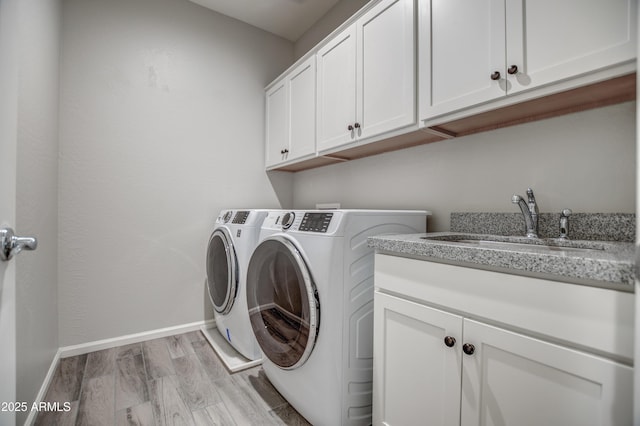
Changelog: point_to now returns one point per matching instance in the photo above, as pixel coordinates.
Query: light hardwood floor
(177, 380)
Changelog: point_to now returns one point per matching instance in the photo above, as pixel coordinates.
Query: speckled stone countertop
(582, 226)
(610, 266)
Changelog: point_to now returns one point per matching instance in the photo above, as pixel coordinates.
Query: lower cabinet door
(416, 376)
(512, 379)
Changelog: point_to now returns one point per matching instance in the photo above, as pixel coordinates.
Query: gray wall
(37, 196)
(329, 22)
(161, 126)
(9, 65)
(583, 161)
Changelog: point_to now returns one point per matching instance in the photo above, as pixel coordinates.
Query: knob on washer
(287, 220)
(227, 216)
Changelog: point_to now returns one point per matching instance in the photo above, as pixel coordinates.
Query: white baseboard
(67, 351)
(45, 385)
(98, 345)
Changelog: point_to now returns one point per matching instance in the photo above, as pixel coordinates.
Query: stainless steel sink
(520, 243)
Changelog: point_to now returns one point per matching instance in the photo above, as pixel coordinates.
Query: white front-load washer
(234, 237)
(310, 300)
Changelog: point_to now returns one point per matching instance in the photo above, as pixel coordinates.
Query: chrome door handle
(10, 244)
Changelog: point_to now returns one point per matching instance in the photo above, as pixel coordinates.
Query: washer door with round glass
(222, 271)
(283, 303)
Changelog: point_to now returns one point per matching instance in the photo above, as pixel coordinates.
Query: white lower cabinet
(434, 367)
(416, 377)
(512, 379)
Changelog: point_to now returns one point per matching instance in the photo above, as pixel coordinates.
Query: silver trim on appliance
(222, 303)
(276, 327)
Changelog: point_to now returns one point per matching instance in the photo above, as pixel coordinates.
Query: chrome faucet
(529, 211)
(564, 224)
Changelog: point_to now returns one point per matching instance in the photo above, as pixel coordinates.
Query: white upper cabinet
(302, 110)
(480, 65)
(474, 51)
(386, 68)
(277, 139)
(366, 76)
(467, 41)
(291, 115)
(337, 90)
(551, 40)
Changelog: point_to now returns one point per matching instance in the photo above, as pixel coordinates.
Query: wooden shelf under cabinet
(407, 140)
(604, 93)
(608, 92)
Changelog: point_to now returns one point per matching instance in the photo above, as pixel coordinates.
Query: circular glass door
(222, 271)
(283, 303)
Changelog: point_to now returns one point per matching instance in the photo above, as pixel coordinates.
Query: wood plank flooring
(177, 380)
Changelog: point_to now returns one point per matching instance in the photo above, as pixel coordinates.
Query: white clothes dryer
(234, 237)
(310, 300)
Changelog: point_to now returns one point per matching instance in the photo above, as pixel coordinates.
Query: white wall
(162, 122)
(9, 58)
(36, 189)
(583, 161)
(331, 20)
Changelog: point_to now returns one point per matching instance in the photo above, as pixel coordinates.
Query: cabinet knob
(449, 341)
(468, 348)
(513, 69)
(350, 127)
(284, 151)
(495, 75)
(357, 125)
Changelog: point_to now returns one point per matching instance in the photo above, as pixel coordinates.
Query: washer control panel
(315, 222)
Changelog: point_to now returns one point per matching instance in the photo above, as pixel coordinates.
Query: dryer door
(283, 302)
(222, 270)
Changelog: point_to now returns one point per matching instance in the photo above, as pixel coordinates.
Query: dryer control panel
(325, 223)
(315, 222)
(241, 217)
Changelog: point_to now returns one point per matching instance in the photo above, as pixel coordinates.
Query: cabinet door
(277, 131)
(302, 109)
(551, 40)
(336, 81)
(513, 379)
(461, 46)
(416, 378)
(386, 68)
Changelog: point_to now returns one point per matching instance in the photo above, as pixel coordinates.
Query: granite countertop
(611, 266)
